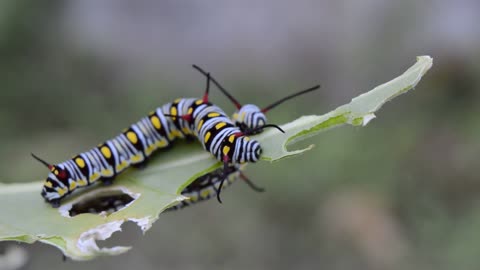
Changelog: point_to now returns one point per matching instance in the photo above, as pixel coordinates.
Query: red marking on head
(50, 167)
(62, 174)
(265, 110)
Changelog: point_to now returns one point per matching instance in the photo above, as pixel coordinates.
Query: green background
(400, 193)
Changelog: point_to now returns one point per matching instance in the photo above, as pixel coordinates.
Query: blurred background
(402, 193)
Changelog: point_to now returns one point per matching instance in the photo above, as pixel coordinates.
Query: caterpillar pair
(187, 117)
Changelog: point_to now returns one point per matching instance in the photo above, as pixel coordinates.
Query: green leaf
(26, 218)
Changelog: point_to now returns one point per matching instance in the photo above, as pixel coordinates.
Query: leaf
(26, 218)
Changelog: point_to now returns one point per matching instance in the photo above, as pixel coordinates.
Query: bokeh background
(402, 193)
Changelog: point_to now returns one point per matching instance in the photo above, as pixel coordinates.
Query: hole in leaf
(104, 203)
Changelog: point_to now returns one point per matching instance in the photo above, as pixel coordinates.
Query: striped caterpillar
(180, 119)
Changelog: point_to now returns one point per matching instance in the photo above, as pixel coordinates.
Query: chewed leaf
(360, 111)
(141, 195)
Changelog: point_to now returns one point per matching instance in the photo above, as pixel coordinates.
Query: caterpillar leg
(108, 181)
(142, 165)
(55, 203)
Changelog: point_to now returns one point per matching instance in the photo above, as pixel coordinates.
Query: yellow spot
(52, 169)
(207, 136)
(80, 162)
(186, 130)
(106, 172)
(205, 193)
(226, 149)
(94, 177)
(220, 125)
(176, 133)
(235, 116)
(213, 114)
(198, 102)
(136, 158)
(246, 139)
(173, 111)
(150, 149)
(242, 117)
(200, 124)
(56, 172)
(156, 122)
(82, 182)
(190, 110)
(162, 143)
(48, 184)
(121, 166)
(132, 137)
(73, 185)
(106, 152)
(231, 138)
(177, 100)
(62, 191)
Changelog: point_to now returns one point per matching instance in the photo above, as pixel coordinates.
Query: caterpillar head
(54, 187)
(248, 150)
(250, 118)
